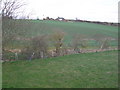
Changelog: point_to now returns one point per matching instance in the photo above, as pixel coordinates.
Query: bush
(105, 44)
(7, 55)
(57, 40)
(38, 48)
(78, 42)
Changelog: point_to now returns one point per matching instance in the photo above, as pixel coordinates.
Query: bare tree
(11, 7)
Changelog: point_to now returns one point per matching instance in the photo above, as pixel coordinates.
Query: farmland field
(91, 70)
(31, 28)
(83, 70)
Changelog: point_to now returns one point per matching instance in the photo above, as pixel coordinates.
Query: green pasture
(91, 70)
(31, 28)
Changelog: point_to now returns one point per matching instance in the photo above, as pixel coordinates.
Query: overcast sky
(96, 10)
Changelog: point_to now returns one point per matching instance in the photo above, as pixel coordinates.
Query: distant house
(60, 18)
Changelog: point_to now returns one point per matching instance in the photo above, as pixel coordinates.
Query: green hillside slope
(91, 70)
(31, 28)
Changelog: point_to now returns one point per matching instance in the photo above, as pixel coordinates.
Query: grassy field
(91, 70)
(31, 28)
(72, 28)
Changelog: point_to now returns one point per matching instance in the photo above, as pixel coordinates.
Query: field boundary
(72, 52)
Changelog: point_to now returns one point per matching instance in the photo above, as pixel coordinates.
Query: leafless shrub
(57, 40)
(26, 53)
(102, 40)
(99, 38)
(38, 48)
(105, 44)
(78, 41)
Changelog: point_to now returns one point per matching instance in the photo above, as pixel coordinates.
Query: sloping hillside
(91, 70)
(31, 28)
